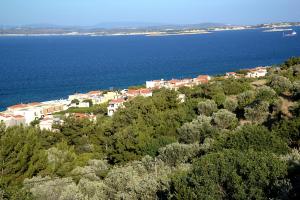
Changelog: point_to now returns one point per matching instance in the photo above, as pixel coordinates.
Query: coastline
(145, 32)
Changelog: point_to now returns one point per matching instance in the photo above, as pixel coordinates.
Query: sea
(41, 68)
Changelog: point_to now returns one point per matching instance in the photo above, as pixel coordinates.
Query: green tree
(207, 107)
(232, 174)
(254, 137)
(21, 155)
(291, 62)
(230, 104)
(175, 154)
(246, 98)
(280, 84)
(225, 119)
(75, 101)
(197, 130)
(257, 112)
(267, 94)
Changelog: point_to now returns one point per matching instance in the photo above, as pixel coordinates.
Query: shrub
(246, 98)
(207, 107)
(280, 84)
(258, 112)
(230, 104)
(225, 119)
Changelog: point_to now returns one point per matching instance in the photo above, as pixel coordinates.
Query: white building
(48, 122)
(257, 72)
(139, 92)
(155, 83)
(231, 75)
(114, 105)
(82, 104)
(12, 120)
(30, 114)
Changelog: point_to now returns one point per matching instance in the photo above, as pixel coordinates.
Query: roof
(231, 73)
(5, 115)
(18, 116)
(34, 104)
(115, 101)
(145, 91)
(174, 81)
(18, 106)
(133, 92)
(95, 92)
(203, 77)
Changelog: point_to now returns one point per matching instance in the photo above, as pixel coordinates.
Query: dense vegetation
(230, 139)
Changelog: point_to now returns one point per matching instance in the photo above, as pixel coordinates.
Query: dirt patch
(259, 83)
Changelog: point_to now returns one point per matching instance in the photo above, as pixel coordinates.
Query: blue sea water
(45, 68)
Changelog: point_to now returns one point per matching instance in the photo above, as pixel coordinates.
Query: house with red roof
(114, 105)
(139, 92)
(12, 120)
(202, 79)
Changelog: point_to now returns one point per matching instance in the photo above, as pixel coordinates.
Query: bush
(267, 94)
(232, 174)
(230, 104)
(207, 107)
(254, 137)
(280, 84)
(197, 130)
(258, 112)
(246, 98)
(225, 119)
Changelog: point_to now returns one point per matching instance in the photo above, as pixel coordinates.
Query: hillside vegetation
(230, 139)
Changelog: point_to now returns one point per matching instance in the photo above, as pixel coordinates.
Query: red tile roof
(18, 116)
(115, 101)
(95, 92)
(18, 106)
(145, 91)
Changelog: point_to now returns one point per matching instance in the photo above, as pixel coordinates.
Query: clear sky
(91, 12)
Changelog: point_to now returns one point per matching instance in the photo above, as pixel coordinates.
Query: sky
(92, 12)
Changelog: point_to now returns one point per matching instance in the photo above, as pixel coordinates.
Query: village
(44, 113)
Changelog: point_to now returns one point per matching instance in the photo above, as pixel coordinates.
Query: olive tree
(174, 154)
(246, 98)
(267, 94)
(280, 84)
(225, 119)
(207, 107)
(296, 89)
(230, 104)
(197, 130)
(258, 112)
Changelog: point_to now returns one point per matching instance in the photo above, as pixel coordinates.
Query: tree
(233, 86)
(289, 130)
(75, 101)
(257, 112)
(207, 107)
(197, 130)
(267, 94)
(291, 62)
(175, 154)
(21, 154)
(280, 84)
(231, 174)
(230, 104)
(246, 98)
(296, 90)
(225, 119)
(255, 137)
(216, 93)
(89, 101)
